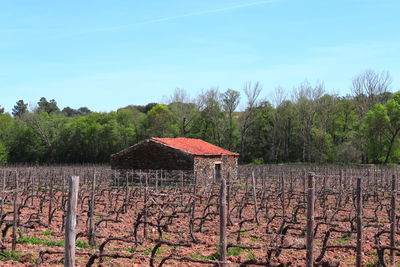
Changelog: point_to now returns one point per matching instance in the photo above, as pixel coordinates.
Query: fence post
(222, 223)
(393, 226)
(3, 188)
(51, 201)
(69, 250)
(126, 201)
(15, 214)
(145, 206)
(92, 225)
(253, 184)
(359, 222)
(340, 187)
(310, 219)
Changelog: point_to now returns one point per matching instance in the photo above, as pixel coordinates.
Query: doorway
(217, 172)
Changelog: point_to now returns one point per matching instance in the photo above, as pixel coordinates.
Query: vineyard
(270, 216)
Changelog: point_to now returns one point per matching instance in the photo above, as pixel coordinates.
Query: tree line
(305, 125)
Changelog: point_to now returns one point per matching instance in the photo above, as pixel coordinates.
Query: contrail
(192, 14)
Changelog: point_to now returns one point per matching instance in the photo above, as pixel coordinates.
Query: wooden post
(156, 180)
(3, 188)
(145, 207)
(15, 214)
(310, 220)
(69, 250)
(253, 184)
(340, 187)
(228, 200)
(181, 197)
(359, 222)
(92, 225)
(305, 185)
(222, 223)
(126, 201)
(51, 201)
(393, 225)
(33, 188)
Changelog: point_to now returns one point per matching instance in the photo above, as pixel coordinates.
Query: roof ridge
(196, 147)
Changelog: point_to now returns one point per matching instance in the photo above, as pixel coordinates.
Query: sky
(109, 54)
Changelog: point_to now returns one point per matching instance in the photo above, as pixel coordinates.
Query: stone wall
(149, 155)
(204, 167)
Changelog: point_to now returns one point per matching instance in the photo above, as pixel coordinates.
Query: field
(120, 223)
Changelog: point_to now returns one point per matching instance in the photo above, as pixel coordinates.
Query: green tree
(19, 108)
(47, 106)
(382, 127)
(160, 122)
(3, 153)
(208, 124)
(307, 106)
(47, 128)
(184, 110)
(21, 143)
(131, 122)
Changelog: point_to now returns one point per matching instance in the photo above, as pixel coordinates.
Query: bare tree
(369, 88)
(211, 115)
(305, 97)
(279, 96)
(185, 111)
(247, 118)
(230, 101)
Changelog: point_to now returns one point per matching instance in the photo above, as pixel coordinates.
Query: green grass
(215, 256)
(82, 244)
(251, 256)
(244, 233)
(147, 252)
(47, 232)
(128, 249)
(49, 242)
(255, 239)
(372, 263)
(341, 240)
(234, 251)
(38, 241)
(10, 255)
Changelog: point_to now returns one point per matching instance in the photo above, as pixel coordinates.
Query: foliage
(3, 154)
(312, 127)
(10, 256)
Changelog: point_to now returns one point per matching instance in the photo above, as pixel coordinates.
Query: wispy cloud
(182, 16)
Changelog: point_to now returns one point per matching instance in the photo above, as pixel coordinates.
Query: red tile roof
(194, 146)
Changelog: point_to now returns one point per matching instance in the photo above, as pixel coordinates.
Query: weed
(10, 255)
(255, 239)
(82, 244)
(244, 233)
(38, 241)
(128, 249)
(47, 232)
(33, 240)
(234, 251)
(251, 256)
(341, 240)
(159, 251)
(372, 263)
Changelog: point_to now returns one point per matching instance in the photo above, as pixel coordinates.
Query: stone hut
(205, 161)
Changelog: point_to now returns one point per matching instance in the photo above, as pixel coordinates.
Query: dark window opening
(217, 172)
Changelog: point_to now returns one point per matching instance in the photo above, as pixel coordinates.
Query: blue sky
(109, 54)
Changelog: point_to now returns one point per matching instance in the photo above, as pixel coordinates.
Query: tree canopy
(312, 126)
